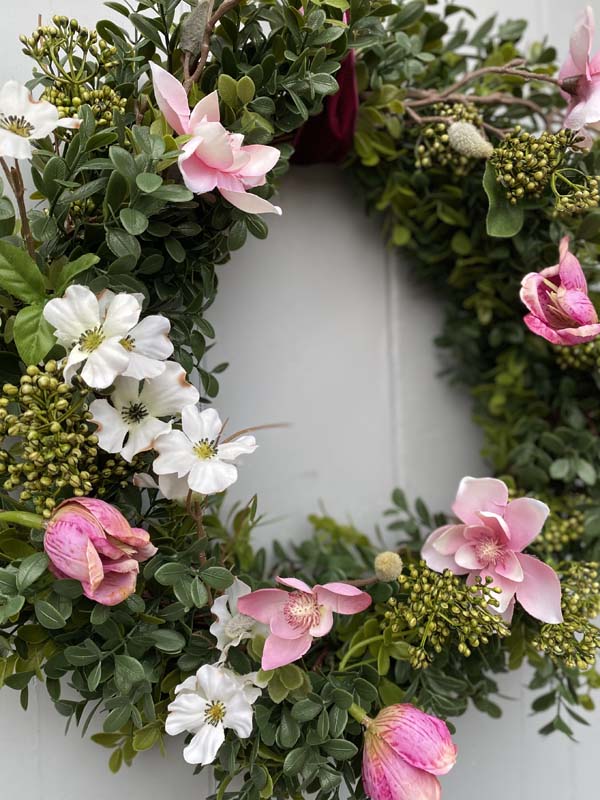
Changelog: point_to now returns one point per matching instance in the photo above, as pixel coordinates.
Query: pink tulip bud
(404, 750)
(90, 541)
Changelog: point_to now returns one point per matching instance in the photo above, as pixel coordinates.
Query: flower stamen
(205, 450)
(17, 125)
(214, 713)
(302, 610)
(91, 339)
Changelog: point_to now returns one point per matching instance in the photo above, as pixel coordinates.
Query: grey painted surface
(323, 330)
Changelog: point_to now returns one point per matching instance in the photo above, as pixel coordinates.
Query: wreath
(154, 148)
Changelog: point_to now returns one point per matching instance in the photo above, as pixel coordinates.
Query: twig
(15, 180)
(194, 77)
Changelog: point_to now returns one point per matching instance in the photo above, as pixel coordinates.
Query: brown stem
(255, 428)
(194, 77)
(505, 69)
(15, 180)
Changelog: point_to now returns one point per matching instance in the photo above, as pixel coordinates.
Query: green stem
(356, 648)
(358, 713)
(24, 518)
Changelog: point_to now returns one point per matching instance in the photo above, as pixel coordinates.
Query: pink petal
(325, 624)
(569, 269)
(495, 524)
(525, 518)
(540, 591)
(263, 604)
(440, 546)
(421, 739)
(171, 98)
(207, 110)
(116, 586)
(262, 159)
(580, 45)
(342, 598)
(212, 145)
(508, 587)
(295, 583)
(197, 176)
(249, 203)
(578, 306)
(68, 546)
(479, 494)
(466, 556)
(533, 288)
(386, 776)
(279, 652)
(510, 567)
(281, 627)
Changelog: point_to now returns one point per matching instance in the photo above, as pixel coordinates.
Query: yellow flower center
(91, 340)
(214, 713)
(16, 125)
(205, 449)
(128, 343)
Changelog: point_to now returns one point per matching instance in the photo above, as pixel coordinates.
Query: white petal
(76, 356)
(238, 715)
(104, 364)
(143, 480)
(152, 337)
(122, 314)
(229, 451)
(237, 589)
(15, 99)
(14, 146)
(111, 430)
(126, 391)
(172, 487)
(141, 367)
(186, 713)
(211, 476)
(170, 392)
(205, 745)
(73, 314)
(188, 685)
(199, 425)
(43, 116)
(217, 682)
(141, 436)
(105, 298)
(176, 454)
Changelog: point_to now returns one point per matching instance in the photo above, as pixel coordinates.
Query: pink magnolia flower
(581, 75)
(404, 750)
(489, 542)
(214, 158)
(296, 618)
(557, 298)
(90, 541)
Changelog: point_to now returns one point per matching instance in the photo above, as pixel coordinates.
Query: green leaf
(295, 760)
(227, 89)
(117, 719)
(170, 573)
(217, 577)
(123, 162)
(31, 569)
(122, 243)
(167, 640)
(340, 749)
(147, 29)
(73, 268)
(305, 710)
(19, 274)
(133, 221)
(145, 738)
(246, 89)
(128, 672)
(49, 616)
(503, 219)
(148, 182)
(33, 335)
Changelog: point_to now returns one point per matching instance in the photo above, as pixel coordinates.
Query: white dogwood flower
(231, 626)
(198, 454)
(148, 343)
(23, 119)
(92, 335)
(207, 703)
(131, 421)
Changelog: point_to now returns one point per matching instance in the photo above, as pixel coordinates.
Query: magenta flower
(488, 542)
(404, 750)
(214, 158)
(90, 541)
(557, 298)
(296, 618)
(580, 75)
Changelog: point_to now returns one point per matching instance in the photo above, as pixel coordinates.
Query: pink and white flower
(581, 74)
(296, 618)
(560, 309)
(231, 627)
(488, 542)
(214, 158)
(404, 750)
(24, 120)
(90, 541)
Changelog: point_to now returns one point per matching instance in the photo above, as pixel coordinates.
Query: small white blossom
(197, 453)
(207, 703)
(231, 626)
(131, 421)
(93, 335)
(23, 120)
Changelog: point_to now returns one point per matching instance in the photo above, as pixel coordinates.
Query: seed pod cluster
(434, 147)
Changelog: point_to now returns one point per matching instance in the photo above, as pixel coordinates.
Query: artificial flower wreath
(153, 149)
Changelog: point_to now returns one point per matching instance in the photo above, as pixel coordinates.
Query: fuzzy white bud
(468, 141)
(388, 566)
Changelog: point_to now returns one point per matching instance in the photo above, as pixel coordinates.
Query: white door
(322, 329)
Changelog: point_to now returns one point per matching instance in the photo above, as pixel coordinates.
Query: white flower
(93, 334)
(148, 343)
(23, 119)
(198, 454)
(205, 704)
(231, 627)
(131, 422)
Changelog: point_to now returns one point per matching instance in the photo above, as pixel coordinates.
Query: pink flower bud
(90, 541)
(404, 750)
